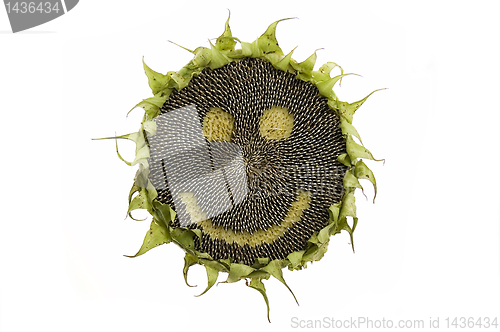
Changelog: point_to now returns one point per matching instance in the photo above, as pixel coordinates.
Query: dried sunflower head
(247, 160)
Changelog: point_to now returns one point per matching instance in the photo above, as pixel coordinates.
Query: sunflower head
(247, 160)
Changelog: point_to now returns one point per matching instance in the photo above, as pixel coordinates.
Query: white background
(428, 247)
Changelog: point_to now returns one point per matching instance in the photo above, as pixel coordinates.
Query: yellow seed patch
(261, 236)
(276, 123)
(218, 125)
(192, 207)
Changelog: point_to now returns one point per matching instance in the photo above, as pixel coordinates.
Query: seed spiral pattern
(276, 171)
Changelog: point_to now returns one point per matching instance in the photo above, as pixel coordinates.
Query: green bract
(143, 195)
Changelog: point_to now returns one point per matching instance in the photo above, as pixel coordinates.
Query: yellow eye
(276, 123)
(218, 125)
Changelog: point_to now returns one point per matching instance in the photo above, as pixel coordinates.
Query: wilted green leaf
(157, 235)
(344, 159)
(274, 268)
(238, 271)
(257, 284)
(357, 151)
(347, 110)
(217, 59)
(184, 237)
(267, 42)
(362, 171)
(212, 275)
(305, 67)
(163, 212)
(348, 129)
(226, 41)
(189, 260)
(350, 181)
(156, 81)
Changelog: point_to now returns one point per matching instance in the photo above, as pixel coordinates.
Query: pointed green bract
(259, 286)
(139, 202)
(212, 275)
(156, 81)
(348, 129)
(179, 80)
(350, 181)
(261, 262)
(183, 237)
(226, 41)
(354, 150)
(152, 105)
(157, 235)
(325, 233)
(259, 274)
(238, 271)
(218, 59)
(323, 74)
(344, 159)
(348, 209)
(326, 87)
(295, 261)
(189, 260)
(141, 149)
(150, 127)
(305, 68)
(315, 253)
(363, 172)
(268, 42)
(217, 265)
(163, 212)
(251, 50)
(348, 206)
(274, 269)
(202, 57)
(347, 110)
(184, 48)
(284, 63)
